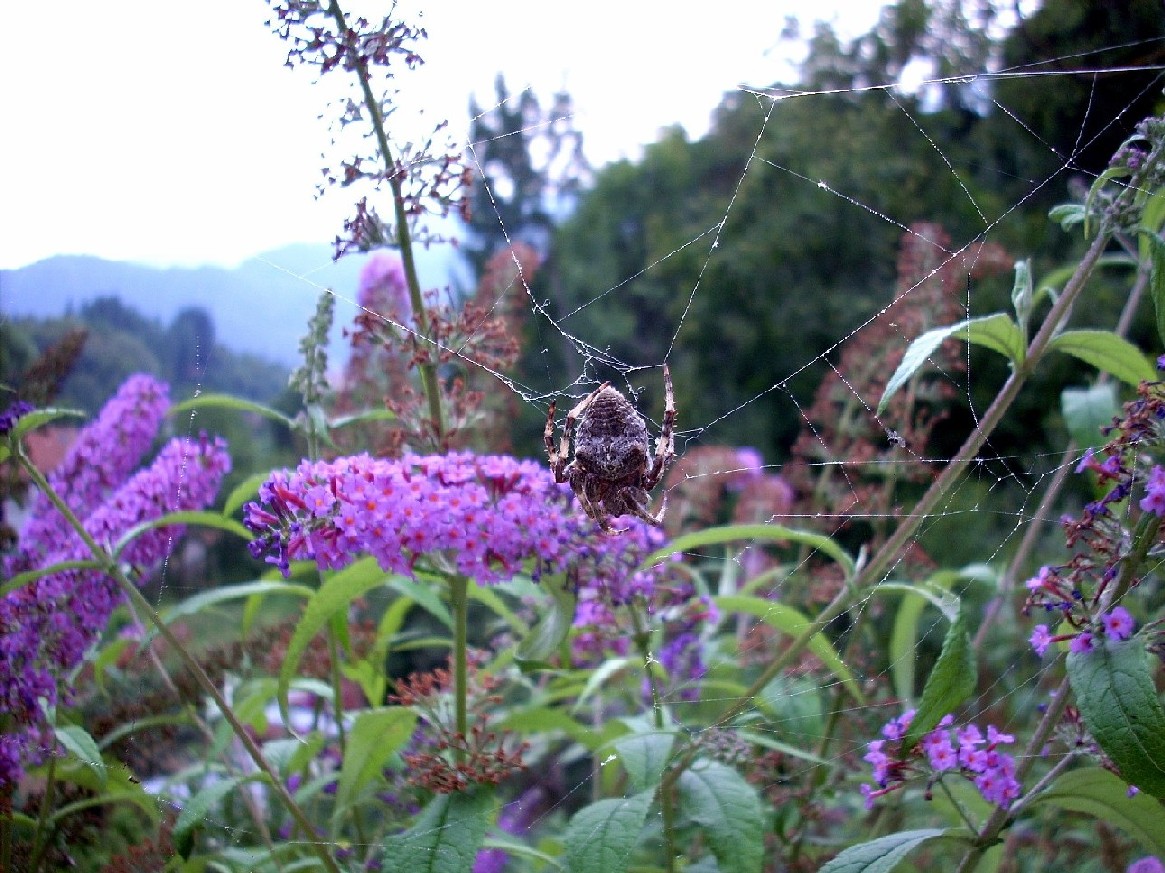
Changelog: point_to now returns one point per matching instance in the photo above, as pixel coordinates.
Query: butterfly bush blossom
(1074, 593)
(104, 454)
(946, 749)
(47, 625)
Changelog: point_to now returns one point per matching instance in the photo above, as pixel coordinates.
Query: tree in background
(528, 168)
(751, 325)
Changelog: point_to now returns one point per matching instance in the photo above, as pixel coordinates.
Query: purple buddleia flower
(47, 626)
(946, 749)
(106, 451)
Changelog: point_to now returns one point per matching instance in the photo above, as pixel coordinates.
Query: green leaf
(1105, 796)
(904, 637)
(644, 756)
(216, 596)
(445, 837)
(950, 683)
(424, 596)
(188, 517)
(547, 635)
(727, 809)
(795, 708)
(39, 418)
(714, 536)
(334, 595)
(792, 623)
(30, 576)
(1107, 352)
(1067, 215)
(375, 735)
(360, 417)
(1022, 295)
(83, 747)
(1087, 410)
(229, 401)
(200, 805)
(245, 491)
(1156, 247)
(529, 720)
(881, 855)
(600, 837)
(1118, 700)
(997, 332)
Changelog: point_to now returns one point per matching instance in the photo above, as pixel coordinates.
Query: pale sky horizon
(143, 132)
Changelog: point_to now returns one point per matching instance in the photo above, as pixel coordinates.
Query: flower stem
(111, 568)
(404, 239)
(459, 596)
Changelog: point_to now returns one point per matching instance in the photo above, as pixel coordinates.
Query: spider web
(1009, 486)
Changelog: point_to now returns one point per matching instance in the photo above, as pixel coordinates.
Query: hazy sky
(171, 133)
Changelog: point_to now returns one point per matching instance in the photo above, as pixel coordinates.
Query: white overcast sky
(171, 133)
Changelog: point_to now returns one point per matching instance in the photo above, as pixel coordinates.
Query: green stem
(404, 240)
(459, 597)
(39, 841)
(111, 569)
(889, 553)
(666, 787)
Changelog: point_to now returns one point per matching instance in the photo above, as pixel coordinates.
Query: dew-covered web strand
(593, 354)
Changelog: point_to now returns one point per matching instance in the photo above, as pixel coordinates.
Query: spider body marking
(613, 469)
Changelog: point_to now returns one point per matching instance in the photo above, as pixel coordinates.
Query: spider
(612, 470)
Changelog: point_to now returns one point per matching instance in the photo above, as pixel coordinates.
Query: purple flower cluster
(47, 625)
(13, 414)
(945, 749)
(105, 453)
(1116, 624)
(485, 516)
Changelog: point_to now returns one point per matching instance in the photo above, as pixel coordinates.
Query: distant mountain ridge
(262, 306)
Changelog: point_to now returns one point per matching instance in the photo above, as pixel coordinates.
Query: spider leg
(665, 446)
(557, 459)
(572, 417)
(640, 511)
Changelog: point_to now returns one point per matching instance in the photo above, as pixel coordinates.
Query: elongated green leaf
(360, 417)
(1087, 410)
(598, 678)
(1156, 247)
(216, 596)
(881, 855)
(423, 595)
(728, 811)
(1107, 352)
(547, 635)
(245, 491)
(188, 517)
(529, 720)
(644, 756)
(334, 595)
(374, 737)
(997, 332)
(30, 576)
(950, 683)
(83, 747)
(229, 401)
(1118, 700)
(445, 837)
(794, 706)
(789, 621)
(200, 806)
(41, 417)
(1067, 215)
(600, 837)
(1105, 796)
(714, 536)
(1022, 295)
(904, 636)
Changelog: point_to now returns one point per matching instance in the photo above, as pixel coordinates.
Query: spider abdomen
(611, 438)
